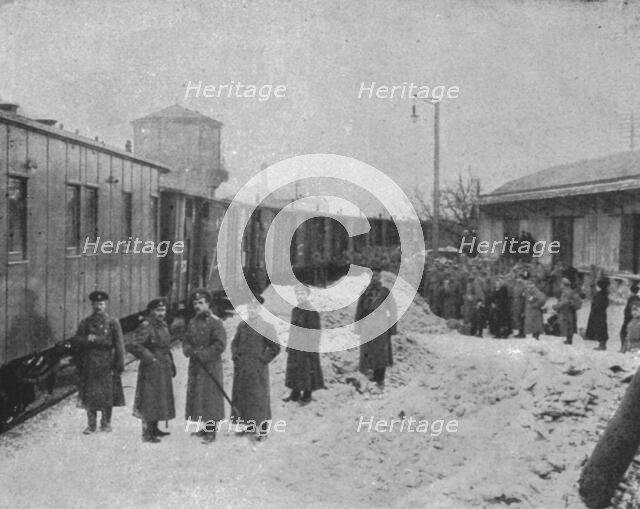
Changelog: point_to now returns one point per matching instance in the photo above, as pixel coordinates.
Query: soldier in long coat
(304, 372)
(252, 350)
(568, 303)
(534, 300)
(204, 341)
(376, 354)
(516, 305)
(449, 298)
(99, 355)
(154, 390)
(499, 319)
(597, 323)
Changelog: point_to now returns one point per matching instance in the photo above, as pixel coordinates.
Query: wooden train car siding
(35, 306)
(67, 189)
(4, 251)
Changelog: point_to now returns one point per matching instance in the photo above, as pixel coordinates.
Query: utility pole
(436, 171)
(436, 178)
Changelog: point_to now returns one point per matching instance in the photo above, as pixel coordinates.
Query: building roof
(175, 111)
(47, 130)
(604, 174)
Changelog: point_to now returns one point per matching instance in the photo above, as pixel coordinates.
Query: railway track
(65, 386)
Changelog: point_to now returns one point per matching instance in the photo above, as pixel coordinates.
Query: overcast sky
(541, 83)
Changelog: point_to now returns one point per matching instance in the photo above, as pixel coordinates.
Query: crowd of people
(509, 297)
(504, 296)
(99, 352)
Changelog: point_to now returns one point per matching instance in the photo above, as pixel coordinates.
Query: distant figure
(516, 304)
(100, 362)
(252, 350)
(204, 342)
(633, 298)
(449, 299)
(499, 318)
(376, 354)
(154, 389)
(597, 323)
(304, 372)
(568, 303)
(632, 343)
(478, 318)
(534, 300)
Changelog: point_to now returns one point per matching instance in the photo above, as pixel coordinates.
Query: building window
(73, 218)
(154, 218)
(127, 214)
(91, 212)
(17, 197)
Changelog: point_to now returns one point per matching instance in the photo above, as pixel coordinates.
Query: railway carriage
(63, 195)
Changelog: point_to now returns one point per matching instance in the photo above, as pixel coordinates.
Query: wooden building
(188, 142)
(592, 208)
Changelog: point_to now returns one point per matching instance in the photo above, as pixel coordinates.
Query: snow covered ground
(528, 414)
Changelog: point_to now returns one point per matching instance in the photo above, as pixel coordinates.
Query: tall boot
(105, 420)
(92, 418)
(156, 431)
(294, 396)
(209, 434)
(147, 433)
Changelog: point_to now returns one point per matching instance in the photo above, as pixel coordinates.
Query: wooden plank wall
(3, 252)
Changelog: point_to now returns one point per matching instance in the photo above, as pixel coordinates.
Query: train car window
(91, 212)
(154, 218)
(17, 197)
(127, 214)
(73, 218)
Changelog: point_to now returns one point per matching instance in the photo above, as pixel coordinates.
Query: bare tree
(458, 204)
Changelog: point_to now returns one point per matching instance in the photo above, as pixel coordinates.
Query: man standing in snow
(204, 342)
(376, 354)
(154, 389)
(100, 361)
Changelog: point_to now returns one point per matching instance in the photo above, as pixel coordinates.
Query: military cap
(98, 296)
(156, 303)
(201, 294)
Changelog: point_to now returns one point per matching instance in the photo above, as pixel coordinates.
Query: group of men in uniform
(507, 296)
(99, 352)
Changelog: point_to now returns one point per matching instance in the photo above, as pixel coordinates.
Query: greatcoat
(99, 362)
(597, 323)
(154, 390)
(517, 303)
(252, 351)
(204, 341)
(376, 353)
(534, 301)
(568, 303)
(627, 315)
(304, 372)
